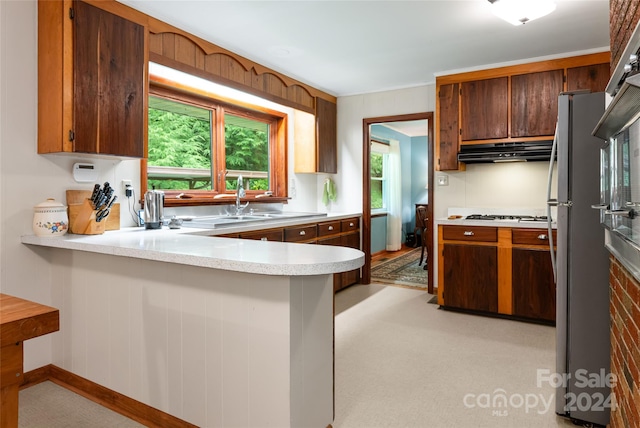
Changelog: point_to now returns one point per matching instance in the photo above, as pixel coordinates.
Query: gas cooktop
(503, 217)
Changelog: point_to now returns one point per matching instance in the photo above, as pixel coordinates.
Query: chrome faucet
(240, 193)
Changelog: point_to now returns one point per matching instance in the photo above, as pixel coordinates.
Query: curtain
(394, 208)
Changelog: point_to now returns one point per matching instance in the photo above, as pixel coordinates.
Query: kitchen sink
(219, 221)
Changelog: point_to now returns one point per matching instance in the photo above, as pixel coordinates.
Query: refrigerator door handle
(550, 203)
(600, 207)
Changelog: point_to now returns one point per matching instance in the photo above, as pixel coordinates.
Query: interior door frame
(366, 190)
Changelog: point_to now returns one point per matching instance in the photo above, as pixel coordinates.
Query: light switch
(443, 180)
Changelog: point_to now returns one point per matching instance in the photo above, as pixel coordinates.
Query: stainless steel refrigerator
(581, 263)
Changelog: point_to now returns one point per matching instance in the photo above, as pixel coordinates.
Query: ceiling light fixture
(518, 12)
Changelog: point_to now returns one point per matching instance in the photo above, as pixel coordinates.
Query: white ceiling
(359, 46)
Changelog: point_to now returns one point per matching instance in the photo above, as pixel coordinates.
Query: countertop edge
(195, 247)
(496, 223)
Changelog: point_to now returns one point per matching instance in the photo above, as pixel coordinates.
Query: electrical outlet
(125, 183)
(443, 180)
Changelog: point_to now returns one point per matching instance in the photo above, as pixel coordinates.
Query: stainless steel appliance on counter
(581, 262)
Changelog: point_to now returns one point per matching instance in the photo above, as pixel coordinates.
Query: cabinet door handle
(468, 233)
(330, 227)
(302, 233)
(543, 237)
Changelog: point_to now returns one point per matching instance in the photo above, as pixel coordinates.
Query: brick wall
(624, 297)
(624, 306)
(623, 18)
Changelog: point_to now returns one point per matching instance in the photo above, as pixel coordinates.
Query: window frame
(218, 105)
(383, 179)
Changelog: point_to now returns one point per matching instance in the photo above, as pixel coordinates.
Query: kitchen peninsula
(214, 331)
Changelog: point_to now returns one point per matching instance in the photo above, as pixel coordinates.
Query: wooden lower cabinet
(534, 292)
(345, 279)
(471, 277)
(343, 233)
(497, 270)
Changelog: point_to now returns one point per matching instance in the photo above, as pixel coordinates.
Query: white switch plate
(443, 180)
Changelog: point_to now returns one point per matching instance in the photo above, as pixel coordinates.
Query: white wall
(26, 177)
(351, 111)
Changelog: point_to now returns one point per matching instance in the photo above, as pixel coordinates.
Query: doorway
(366, 189)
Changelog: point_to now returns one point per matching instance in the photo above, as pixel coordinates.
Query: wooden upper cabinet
(593, 77)
(316, 139)
(485, 109)
(449, 130)
(92, 81)
(534, 103)
(326, 136)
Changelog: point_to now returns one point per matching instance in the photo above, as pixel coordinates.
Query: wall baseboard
(106, 397)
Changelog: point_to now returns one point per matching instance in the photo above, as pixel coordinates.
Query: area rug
(402, 270)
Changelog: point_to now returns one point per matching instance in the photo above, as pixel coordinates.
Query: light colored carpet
(49, 405)
(402, 362)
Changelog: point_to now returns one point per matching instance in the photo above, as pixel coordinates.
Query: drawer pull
(543, 237)
(468, 233)
(264, 238)
(302, 233)
(351, 224)
(330, 227)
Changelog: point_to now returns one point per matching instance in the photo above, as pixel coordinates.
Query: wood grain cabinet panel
(275, 235)
(351, 240)
(92, 81)
(304, 233)
(485, 109)
(328, 228)
(533, 285)
(470, 233)
(592, 77)
(109, 83)
(326, 136)
(534, 291)
(532, 237)
(471, 277)
(534, 103)
(449, 128)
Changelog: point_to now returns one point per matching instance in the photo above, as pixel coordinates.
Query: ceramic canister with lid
(50, 218)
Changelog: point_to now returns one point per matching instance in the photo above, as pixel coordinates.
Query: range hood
(506, 152)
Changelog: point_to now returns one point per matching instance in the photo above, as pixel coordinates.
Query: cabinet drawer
(328, 228)
(300, 233)
(531, 236)
(350, 224)
(334, 240)
(264, 235)
(470, 233)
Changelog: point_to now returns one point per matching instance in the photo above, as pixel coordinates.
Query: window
(198, 146)
(379, 155)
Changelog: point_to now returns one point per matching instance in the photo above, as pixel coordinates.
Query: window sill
(378, 213)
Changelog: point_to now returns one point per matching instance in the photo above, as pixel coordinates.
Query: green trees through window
(182, 148)
(377, 181)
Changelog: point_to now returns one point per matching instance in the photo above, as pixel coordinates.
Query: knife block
(76, 200)
(82, 219)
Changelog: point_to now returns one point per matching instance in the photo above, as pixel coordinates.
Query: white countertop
(496, 223)
(196, 247)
